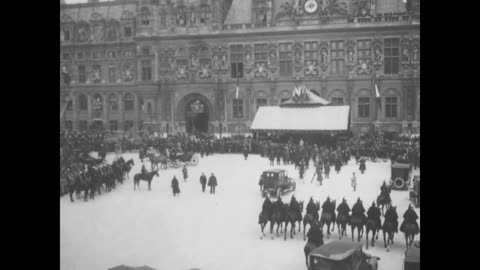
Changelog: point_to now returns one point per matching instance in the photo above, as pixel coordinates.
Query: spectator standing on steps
(212, 183)
(203, 181)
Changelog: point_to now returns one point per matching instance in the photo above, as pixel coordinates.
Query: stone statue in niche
(224, 61)
(323, 56)
(216, 62)
(193, 61)
(273, 58)
(378, 56)
(112, 32)
(97, 32)
(82, 34)
(171, 63)
(193, 18)
(249, 60)
(416, 54)
(405, 55)
(350, 56)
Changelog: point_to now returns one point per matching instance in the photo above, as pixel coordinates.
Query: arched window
(128, 102)
(82, 102)
(204, 14)
(113, 102)
(363, 104)
(113, 27)
(145, 16)
(337, 97)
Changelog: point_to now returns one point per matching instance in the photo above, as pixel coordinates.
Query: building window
(113, 103)
(128, 101)
(182, 16)
(82, 102)
(82, 74)
(364, 107)
(286, 59)
(146, 70)
(283, 100)
(69, 105)
(68, 125)
(391, 53)
(112, 74)
(311, 51)
(204, 14)
(261, 102)
(66, 35)
(113, 125)
(337, 101)
(261, 54)
(128, 125)
(82, 124)
(364, 50)
(127, 30)
(146, 51)
(66, 56)
(391, 107)
(236, 60)
(337, 57)
(149, 107)
(145, 16)
(237, 108)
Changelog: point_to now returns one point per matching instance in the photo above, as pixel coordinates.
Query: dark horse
(78, 182)
(410, 230)
(154, 160)
(328, 218)
(145, 177)
(292, 216)
(372, 225)
(126, 167)
(342, 221)
(278, 217)
(383, 200)
(391, 218)
(357, 221)
(263, 218)
(310, 220)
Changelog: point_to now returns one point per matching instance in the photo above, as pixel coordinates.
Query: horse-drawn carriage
(275, 182)
(341, 255)
(173, 160)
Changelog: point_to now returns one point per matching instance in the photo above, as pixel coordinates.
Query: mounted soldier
(409, 217)
(312, 209)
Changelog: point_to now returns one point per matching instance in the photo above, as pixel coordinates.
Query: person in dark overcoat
(212, 183)
(362, 165)
(203, 181)
(175, 188)
(338, 164)
(185, 173)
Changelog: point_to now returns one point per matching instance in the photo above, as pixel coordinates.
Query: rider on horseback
(315, 235)
(358, 209)
(267, 206)
(312, 209)
(144, 171)
(293, 203)
(344, 209)
(410, 217)
(374, 214)
(383, 188)
(391, 216)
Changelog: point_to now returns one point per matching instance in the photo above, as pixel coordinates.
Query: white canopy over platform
(320, 118)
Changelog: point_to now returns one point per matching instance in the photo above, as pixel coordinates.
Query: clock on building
(310, 6)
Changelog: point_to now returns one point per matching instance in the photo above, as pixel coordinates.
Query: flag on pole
(66, 77)
(377, 96)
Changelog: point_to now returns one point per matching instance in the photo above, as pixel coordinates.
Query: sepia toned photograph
(239, 134)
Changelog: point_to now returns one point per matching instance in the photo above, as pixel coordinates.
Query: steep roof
(240, 12)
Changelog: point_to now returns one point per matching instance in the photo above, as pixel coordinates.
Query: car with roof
(275, 182)
(400, 176)
(341, 255)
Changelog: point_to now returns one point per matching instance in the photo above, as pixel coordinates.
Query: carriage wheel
(194, 161)
(399, 183)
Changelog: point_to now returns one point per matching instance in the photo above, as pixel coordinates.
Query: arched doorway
(196, 116)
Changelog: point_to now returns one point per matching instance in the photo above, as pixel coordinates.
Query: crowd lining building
(174, 65)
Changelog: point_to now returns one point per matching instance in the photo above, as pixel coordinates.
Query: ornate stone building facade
(143, 63)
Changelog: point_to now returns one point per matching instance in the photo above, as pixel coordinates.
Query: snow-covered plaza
(205, 231)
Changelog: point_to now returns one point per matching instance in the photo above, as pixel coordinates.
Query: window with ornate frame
(391, 56)
(182, 16)
(82, 102)
(236, 61)
(146, 70)
(337, 60)
(261, 102)
(145, 16)
(82, 74)
(363, 107)
(237, 108)
(337, 100)
(204, 12)
(311, 51)
(113, 103)
(286, 59)
(364, 50)
(128, 102)
(391, 107)
(261, 53)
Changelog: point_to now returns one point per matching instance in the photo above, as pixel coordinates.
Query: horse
(383, 200)
(77, 183)
(357, 221)
(292, 216)
(410, 230)
(278, 217)
(145, 177)
(342, 221)
(310, 220)
(389, 226)
(372, 225)
(161, 158)
(263, 219)
(126, 167)
(328, 218)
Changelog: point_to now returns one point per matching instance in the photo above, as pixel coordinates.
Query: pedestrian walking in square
(185, 173)
(327, 169)
(175, 188)
(203, 181)
(354, 182)
(212, 183)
